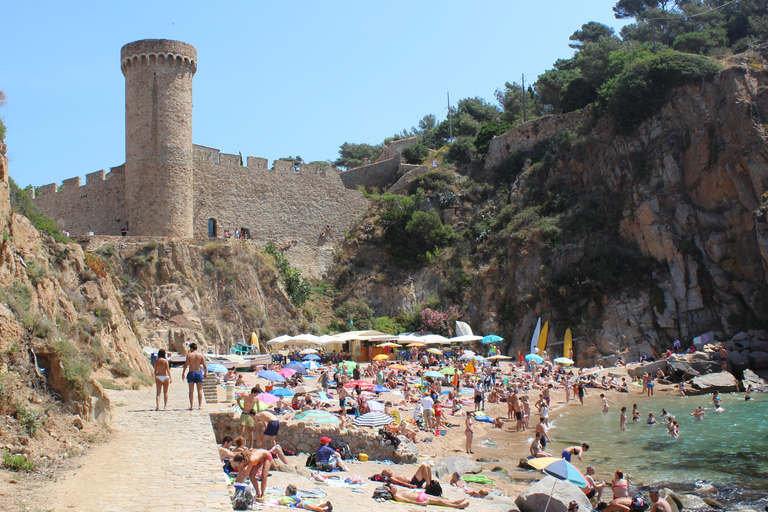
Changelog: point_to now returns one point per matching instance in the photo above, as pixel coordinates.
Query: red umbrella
(364, 384)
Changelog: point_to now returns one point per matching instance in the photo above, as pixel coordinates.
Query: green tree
(590, 33)
(461, 150)
(552, 84)
(415, 154)
(487, 132)
(478, 109)
(352, 155)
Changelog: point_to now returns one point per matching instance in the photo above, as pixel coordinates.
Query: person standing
(162, 378)
(193, 363)
(724, 358)
(271, 428)
(623, 419)
(248, 416)
(427, 406)
(469, 430)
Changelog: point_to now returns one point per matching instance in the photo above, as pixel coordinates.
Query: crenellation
(94, 177)
(71, 183)
(283, 166)
(229, 160)
(255, 162)
(49, 189)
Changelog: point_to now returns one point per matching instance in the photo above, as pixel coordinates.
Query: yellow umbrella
(499, 357)
(542, 462)
(397, 367)
(415, 344)
(434, 351)
(381, 357)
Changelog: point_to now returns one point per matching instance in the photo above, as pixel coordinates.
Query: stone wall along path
(164, 461)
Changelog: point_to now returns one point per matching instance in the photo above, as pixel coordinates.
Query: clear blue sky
(274, 79)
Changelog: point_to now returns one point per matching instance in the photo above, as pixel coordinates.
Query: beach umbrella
(364, 384)
(267, 398)
(479, 358)
(302, 390)
(350, 365)
(564, 471)
(375, 406)
(308, 351)
(491, 338)
(434, 375)
(564, 361)
(463, 357)
(373, 419)
(435, 351)
(499, 357)
(388, 344)
(296, 366)
(217, 368)
(534, 357)
(590, 371)
(318, 416)
(380, 389)
(449, 370)
(271, 376)
(282, 392)
(286, 372)
(311, 365)
(311, 357)
(415, 344)
(381, 357)
(397, 366)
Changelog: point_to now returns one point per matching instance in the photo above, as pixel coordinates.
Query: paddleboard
(543, 338)
(568, 343)
(535, 337)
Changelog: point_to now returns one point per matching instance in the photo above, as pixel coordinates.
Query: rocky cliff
(631, 241)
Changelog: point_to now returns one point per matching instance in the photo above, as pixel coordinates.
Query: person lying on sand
(422, 476)
(422, 498)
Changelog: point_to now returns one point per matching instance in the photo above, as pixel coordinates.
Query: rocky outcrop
(534, 499)
(723, 382)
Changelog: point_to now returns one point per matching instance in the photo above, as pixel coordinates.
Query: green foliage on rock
(352, 315)
(297, 288)
(415, 154)
(352, 155)
(22, 204)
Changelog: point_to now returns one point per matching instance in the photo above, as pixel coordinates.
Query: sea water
(728, 449)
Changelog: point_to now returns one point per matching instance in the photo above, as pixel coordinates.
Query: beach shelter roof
(435, 338)
(467, 338)
(280, 340)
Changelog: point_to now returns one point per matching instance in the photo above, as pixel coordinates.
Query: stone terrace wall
(527, 135)
(380, 174)
(305, 438)
(394, 148)
(305, 213)
(97, 206)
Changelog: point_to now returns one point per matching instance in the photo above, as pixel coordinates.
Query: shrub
(415, 154)
(213, 249)
(29, 421)
(297, 288)
(23, 205)
(461, 150)
(433, 181)
(352, 315)
(18, 296)
(77, 368)
(36, 271)
(17, 462)
(96, 264)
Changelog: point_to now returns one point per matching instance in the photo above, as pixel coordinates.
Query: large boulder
(723, 382)
(758, 360)
(650, 368)
(448, 465)
(754, 379)
(535, 498)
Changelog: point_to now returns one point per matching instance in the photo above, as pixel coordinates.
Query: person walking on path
(193, 363)
(162, 378)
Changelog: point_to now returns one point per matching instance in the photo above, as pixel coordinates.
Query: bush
(77, 368)
(29, 421)
(461, 150)
(297, 288)
(22, 204)
(353, 315)
(415, 154)
(96, 264)
(487, 132)
(18, 296)
(36, 271)
(17, 462)
(433, 181)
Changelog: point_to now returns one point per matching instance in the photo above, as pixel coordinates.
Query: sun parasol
(435, 351)
(373, 419)
(388, 344)
(310, 365)
(301, 390)
(217, 368)
(381, 357)
(449, 370)
(591, 371)
(295, 365)
(491, 338)
(364, 385)
(499, 357)
(534, 357)
(397, 366)
(415, 344)
(282, 392)
(311, 357)
(380, 389)
(271, 376)
(435, 375)
(375, 406)
(479, 358)
(562, 470)
(564, 361)
(286, 372)
(308, 351)
(318, 416)
(267, 398)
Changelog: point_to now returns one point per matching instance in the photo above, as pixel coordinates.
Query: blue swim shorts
(195, 377)
(566, 455)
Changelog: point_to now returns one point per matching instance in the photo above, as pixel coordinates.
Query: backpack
(243, 499)
(382, 494)
(434, 488)
(638, 504)
(342, 448)
(311, 460)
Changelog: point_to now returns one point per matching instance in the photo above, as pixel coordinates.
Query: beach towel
(483, 417)
(478, 479)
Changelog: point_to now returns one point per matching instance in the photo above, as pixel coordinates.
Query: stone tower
(159, 179)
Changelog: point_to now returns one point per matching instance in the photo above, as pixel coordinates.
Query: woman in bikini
(424, 499)
(162, 378)
(469, 430)
(620, 486)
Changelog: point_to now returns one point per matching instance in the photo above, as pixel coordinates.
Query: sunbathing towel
(478, 479)
(483, 417)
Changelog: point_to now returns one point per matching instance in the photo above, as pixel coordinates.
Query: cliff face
(675, 209)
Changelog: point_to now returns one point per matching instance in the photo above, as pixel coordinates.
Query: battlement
(159, 52)
(205, 154)
(93, 181)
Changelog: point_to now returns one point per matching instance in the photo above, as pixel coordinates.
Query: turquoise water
(728, 449)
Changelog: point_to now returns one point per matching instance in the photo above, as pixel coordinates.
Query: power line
(683, 15)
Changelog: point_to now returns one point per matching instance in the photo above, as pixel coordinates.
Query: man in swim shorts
(272, 428)
(575, 450)
(194, 361)
(248, 417)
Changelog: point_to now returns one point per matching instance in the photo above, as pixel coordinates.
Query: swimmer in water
(651, 419)
(635, 413)
(716, 399)
(748, 393)
(698, 413)
(605, 403)
(623, 419)
(664, 414)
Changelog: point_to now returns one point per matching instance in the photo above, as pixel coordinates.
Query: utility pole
(523, 97)
(450, 123)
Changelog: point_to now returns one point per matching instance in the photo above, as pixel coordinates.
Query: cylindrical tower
(159, 180)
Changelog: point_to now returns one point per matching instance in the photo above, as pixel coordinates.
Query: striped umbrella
(311, 365)
(373, 419)
(317, 416)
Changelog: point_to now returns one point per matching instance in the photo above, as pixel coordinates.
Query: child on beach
(623, 419)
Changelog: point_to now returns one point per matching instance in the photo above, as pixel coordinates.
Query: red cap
(325, 440)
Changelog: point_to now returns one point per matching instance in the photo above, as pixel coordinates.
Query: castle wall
(305, 213)
(97, 206)
(394, 148)
(380, 174)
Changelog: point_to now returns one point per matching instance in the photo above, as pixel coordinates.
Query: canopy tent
(469, 338)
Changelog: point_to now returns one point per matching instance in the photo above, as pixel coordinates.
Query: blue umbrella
(282, 392)
(380, 389)
(564, 470)
(311, 357)
(491, 338)
(296, 366)
(534, 357)
(479, 358)
(217, 368)
(270, 375)
(310, 365)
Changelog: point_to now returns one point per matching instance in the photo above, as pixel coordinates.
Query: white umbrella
(373, 419)
(375, 406)
(308, 351)
(280, 340)
(465, 339)
(435, 338)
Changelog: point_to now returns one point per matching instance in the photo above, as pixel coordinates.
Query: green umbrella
(317, 416)
(349, 365)
(448, 370)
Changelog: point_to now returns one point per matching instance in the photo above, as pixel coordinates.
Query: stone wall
(527, 135)
(305, 438)
(304, 213)
(394, 148)
(97, 206)
(407, 173)
(380, 174)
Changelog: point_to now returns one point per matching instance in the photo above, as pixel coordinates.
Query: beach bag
(342, 448)
(243, 499)
(639, 504)
(434, 488)
(311, 460)
(382, 494)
